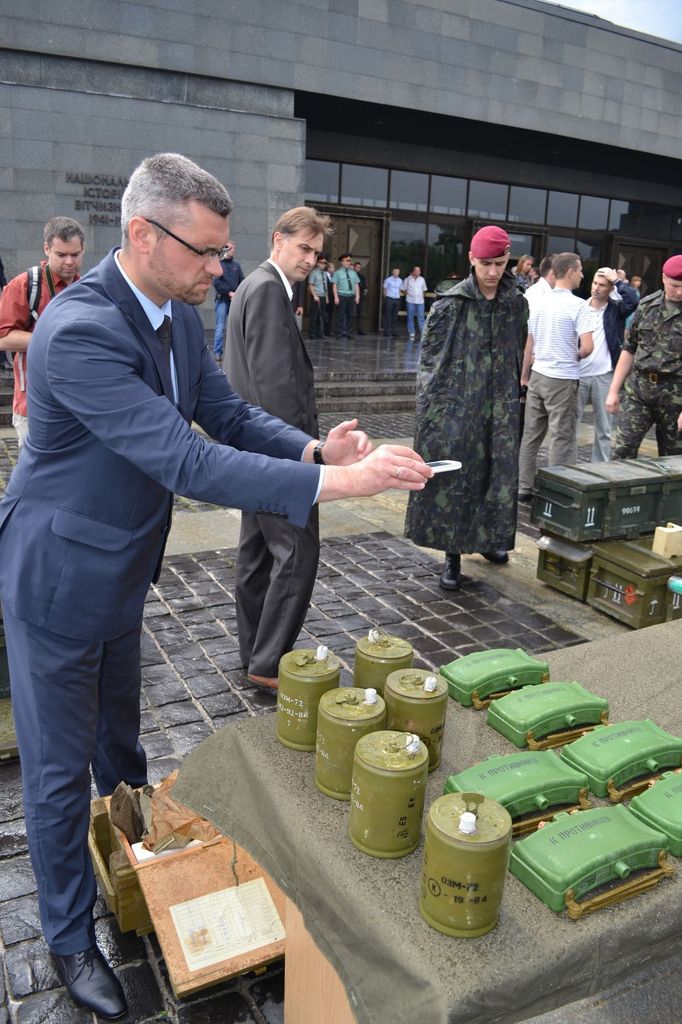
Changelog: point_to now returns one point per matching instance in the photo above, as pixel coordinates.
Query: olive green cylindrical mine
(343, 717)
(376, 656)
(416, 701)
(466, 853)
(303, 677)
(387, 793)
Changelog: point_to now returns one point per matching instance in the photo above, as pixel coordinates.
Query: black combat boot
(450, 578)
(496, 557)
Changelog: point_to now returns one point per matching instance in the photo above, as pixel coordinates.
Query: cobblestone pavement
(193, 684)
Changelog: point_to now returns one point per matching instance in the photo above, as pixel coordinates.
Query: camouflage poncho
(468, 409)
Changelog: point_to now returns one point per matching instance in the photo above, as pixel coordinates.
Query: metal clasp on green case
(623, 892)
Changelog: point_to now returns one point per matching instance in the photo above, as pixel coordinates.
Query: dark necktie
(165, 336)
(349, 283)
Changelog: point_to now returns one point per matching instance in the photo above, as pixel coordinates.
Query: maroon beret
(489, 243)
(673, 267)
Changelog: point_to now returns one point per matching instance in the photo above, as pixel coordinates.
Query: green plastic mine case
(608, 499)
(478, 678)
(660, 806)
(629, 582)
(547, 716)
(564, 565)
(620, 760)
(578, 853)
(531, 786)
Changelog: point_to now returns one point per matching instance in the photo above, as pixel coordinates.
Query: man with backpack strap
(26, 296)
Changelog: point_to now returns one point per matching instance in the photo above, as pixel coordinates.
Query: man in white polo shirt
(560, 334)
(414, 287)
(612, 301)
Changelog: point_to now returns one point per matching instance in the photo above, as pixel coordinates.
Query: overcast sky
(656, 17)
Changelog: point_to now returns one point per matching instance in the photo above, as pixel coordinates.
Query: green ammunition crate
(660, 807)
(478, 678)
(670, 501)
(547, 716)
(597, 501)
(531, 785)
(564, 565)
(620, 760)
(577, 853)
(628, 582)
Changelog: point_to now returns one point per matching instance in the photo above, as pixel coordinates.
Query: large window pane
(321, 181)
(447, 253)
(560, 243)
(620, 217)
(655, 221)
(527, 204)
(364, 186)
(407, 248)
(486, 199)
(594, 213)
(448, 195)
(562, 209)
(677, 225)
(409, 190)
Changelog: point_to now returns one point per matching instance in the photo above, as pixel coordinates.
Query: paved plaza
(193, 684)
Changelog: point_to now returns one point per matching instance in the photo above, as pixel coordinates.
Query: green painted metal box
(670, 501)
(532, 786)
(577, 853)
(547, 716)
(629, 582)
(660, 806)
(564, 565)
(478, 678)
(620, 760)
(597, 501)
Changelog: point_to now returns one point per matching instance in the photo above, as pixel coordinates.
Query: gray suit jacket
(266, 361)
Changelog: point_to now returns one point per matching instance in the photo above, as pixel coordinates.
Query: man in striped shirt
(560, 334)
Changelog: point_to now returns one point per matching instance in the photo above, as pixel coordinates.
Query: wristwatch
(318, 458)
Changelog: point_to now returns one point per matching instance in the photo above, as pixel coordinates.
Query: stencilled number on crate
(614, 593)
(591, 516)
(547, 513)
(631, 510)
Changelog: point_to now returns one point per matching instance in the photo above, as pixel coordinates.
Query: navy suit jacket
(87, 509)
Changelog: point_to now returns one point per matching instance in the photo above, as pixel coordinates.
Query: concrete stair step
(356, 402)
(333, 389)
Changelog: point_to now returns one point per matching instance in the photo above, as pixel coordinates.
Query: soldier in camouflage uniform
(468, 409)
(650, 366)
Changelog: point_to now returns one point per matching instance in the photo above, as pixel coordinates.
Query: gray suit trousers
(276, 569)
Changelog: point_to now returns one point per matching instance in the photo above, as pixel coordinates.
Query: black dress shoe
(91, 983)
(450, 578)
(496, 557)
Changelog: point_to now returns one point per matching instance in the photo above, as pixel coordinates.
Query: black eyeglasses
(206, 254)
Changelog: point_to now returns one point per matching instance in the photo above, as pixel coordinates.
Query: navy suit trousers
(76, 704)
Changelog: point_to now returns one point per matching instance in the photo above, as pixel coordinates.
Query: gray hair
(163, 185)
(564, 262)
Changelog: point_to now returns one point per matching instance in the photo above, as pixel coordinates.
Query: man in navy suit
(118, 370)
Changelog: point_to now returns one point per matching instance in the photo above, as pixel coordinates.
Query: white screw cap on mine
(413, 745)
(373, 636)
(370, 695)
(467, 823)
(430, 684)
(321, 653)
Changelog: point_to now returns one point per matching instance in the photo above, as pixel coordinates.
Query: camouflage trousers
(648, 402)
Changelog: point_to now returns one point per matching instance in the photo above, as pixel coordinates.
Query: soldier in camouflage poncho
(651, 363)
(468, 409)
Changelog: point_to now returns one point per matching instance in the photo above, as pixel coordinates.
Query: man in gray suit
(267, 363)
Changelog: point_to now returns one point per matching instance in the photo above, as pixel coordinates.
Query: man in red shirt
(64, 239)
